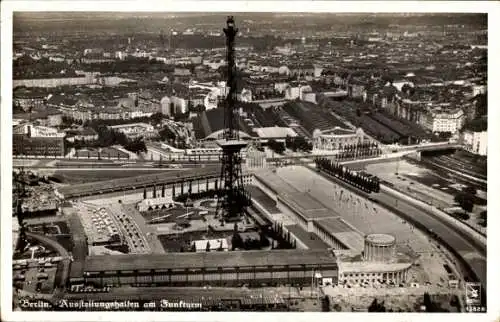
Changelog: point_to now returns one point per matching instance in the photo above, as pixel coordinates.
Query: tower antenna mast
(233, 199)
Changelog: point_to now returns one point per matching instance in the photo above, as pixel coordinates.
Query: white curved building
(336, 138)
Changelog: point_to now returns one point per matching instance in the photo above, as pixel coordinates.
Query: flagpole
(312, 281)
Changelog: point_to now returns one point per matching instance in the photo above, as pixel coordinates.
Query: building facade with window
(259, 268)
(136, 130)
(475, 142)
(33, 140)
(451, 121)
(365, 272)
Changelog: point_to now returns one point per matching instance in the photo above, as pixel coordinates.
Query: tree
(429, 305)
(481, 103)
(483, 217)
(167, 134)
(325, 304)
(198, 108)
(406, 89)
(277, 147)
(470, 190)
(298, 143)
(236, 240)
(45, 228)
(465, 201)
(376, 307)
(156, 118)
(264, 242)
(207, 249)
(454, 301)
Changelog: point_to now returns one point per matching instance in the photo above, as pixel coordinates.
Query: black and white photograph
(246, 160)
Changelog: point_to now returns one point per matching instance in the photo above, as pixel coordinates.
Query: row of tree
(275, 146)
(211, 193)
(131, 65)
(285, 238)
(361, 181)
(295, 144)
(154, 119)
(359, 150)
(26, 67)
(298, 143)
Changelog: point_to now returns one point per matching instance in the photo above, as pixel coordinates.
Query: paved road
(463, 244)
(459, 172)
(58, 248)
(85, 165)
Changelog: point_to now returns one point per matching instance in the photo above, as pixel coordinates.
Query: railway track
(469, 169)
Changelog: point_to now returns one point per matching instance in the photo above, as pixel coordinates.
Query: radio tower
(233, 198)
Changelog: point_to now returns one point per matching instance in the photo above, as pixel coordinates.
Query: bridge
(137, 183)
(438, 146)
(417, 153)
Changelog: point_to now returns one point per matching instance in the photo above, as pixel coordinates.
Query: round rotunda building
(380, 248)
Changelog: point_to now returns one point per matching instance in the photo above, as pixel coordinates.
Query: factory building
(33, 140)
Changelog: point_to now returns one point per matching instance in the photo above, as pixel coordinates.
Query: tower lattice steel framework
(233, 199)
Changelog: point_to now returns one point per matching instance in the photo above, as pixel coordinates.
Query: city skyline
(358, 141)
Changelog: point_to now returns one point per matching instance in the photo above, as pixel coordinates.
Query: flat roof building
(212, 268)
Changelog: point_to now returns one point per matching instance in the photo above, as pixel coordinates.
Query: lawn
(176, 242)
(172, 213)
(113, 153)
(86, 153)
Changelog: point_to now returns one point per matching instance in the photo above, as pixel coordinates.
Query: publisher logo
(473, 293)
